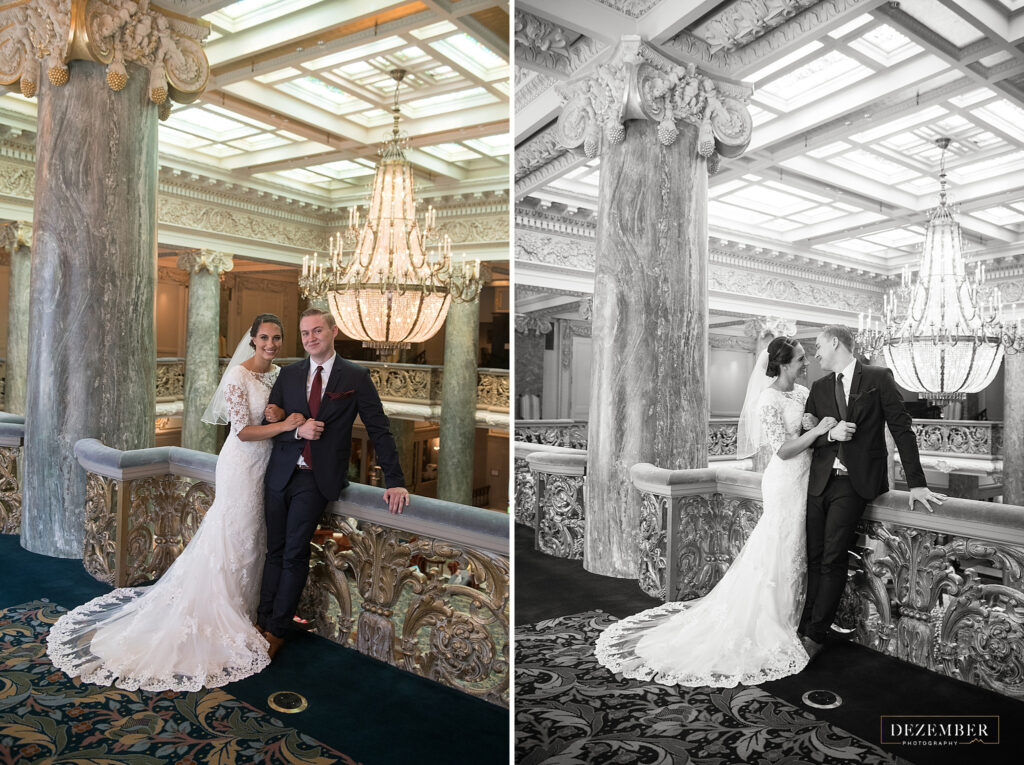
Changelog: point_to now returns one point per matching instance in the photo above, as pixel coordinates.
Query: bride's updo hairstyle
(263, 318)
(780, 352)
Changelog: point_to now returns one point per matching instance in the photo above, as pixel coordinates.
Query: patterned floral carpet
(570, 709)
(46, 717)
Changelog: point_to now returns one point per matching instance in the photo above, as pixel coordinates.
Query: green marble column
(458, 403)
(92, 359)
(404, 433)
(660, 128)
(202, 372)
(1013, 429)
(19, 244)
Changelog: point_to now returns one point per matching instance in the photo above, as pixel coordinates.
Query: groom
(308, 465)
(848, 470)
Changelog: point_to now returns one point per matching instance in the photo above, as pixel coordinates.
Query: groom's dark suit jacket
(348, 392)
(874, 401)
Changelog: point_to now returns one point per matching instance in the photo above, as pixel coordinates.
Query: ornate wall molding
(638, 82)
(730, 342)
(790, 289)
(109, 32)
(533, 86)
(632, 8)
(556, 223)
(489, 229)
(541, 44)
(532, 247)
(17, 179)
(536, 152)
(224, 220)
(743, 21)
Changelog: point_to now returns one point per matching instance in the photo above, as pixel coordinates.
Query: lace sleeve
(772, 424)
(237, 399)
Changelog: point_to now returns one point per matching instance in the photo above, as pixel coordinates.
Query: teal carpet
(357, 705)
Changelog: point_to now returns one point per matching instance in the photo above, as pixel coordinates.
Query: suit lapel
(302, 389)
(332, 381)
(858, 373)
(832, 403)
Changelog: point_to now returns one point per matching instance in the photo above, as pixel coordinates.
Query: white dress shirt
(325, 375)
(847, 382)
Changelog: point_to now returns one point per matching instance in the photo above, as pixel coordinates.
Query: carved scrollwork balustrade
(429, 596)
(559, 501)
(571, 434)
(492, 390)
(943, 590)
(526, 481)
(970, 438)
(12, 437)
(170, 379)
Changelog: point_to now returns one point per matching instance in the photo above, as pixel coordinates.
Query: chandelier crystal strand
(941, 334)
(380, 279)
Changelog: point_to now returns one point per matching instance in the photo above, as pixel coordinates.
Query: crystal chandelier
(941, 335)
(389, 287)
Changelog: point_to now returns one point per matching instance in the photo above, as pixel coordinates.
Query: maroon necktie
(314, 409)
(841, 406)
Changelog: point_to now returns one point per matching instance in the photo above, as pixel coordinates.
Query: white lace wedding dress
(194, 627)
(744, 630)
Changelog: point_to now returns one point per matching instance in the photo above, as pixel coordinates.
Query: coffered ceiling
(848, 99)
(300, 96)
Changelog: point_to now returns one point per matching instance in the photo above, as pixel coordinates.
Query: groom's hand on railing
(924, 495)
(397, 499)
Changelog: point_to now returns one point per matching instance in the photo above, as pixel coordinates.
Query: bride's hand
(273, 413)
(823, 427)
(809, 421)
(294, 421)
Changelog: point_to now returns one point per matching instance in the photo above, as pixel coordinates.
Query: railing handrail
(561, 463)
(11, 433)
(985, 521)
(452, 522)
(523, 449)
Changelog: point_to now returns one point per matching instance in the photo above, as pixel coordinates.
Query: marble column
(458, 403)
(18, 242)
(93, 370)
(202, 367)
(1013, 429)
(659, 128)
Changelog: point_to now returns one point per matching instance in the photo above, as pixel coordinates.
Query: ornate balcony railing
(944, 590)
(416, 387)
(12, 438)
(525, 508)
(970, 439)
(558, 514)
(426, 591)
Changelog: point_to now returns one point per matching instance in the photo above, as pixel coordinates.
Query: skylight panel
(492, 145)
(359, 52)
(859, 245)
(885, 45)
(433, 30)
(410, 55)
(473, 56)
(988, 168)
(370, 118)
(342, 169)
(300, 174)
(448, 102)
(356, 69)
(820, 77)
(212, 126)
(280, 74)
(442, 73)
(724, 188)
(873, 166)
(819, 214)
(849, 26)
(1001, 216)
(801, 193)
(219, 150)
(321, 94)
(780, 225)
(969, 99)
(829, 150)
(1003, 115)
(450, 152)
(260, 142)
(785, 61)
(897, 237)
(725, 213)
(760, 116)
(898, 125)
(249, 13)
(179, 139)
(995, 58)
(942, 21)
(235, 116)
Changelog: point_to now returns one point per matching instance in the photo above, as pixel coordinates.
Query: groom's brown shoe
(275, 643)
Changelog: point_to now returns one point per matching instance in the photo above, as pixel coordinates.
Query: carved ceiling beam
(50, 33)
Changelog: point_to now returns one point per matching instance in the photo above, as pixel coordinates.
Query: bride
(745, 629)
(194, 627)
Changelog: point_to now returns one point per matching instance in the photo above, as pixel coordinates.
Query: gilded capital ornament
(206, 260)
(637, 82)
(16, 234)
(109, 32)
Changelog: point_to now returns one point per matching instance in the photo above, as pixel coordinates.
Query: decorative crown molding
(637, 82)
(530, 324)
(743, 21)
(110, 32)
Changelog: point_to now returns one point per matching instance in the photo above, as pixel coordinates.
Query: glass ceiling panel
(780, 225)
(977, 171)
(321, 94)
(249, 13)
(968, 99)
(848, 27)
(342, 169)
(236, 116)
(219, 150)
(462, 99)
(727, 214)
(1001, 216)
(177, 138)
(492, 145)
(819, 214)
(370, 118)
(724, 188)
(433, 30)
(785, 61)
(1005, 116)
(885, 45)
(280, 74)
(472, 56)
(769, 201)
(797, 192)
(450, 152)
(859, 245)
(897, 237)
(872, 166)
(351, 54)
(260, 142)
(829, 150)
(901, 124)
(198, 121)
(819, 77)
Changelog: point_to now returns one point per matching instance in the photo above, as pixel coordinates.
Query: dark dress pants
(831, 531)
(292, 516)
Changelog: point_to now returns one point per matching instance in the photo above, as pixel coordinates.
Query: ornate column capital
(636, 82)
(206, 260)
(527, 324)
(110, 32)
(773, 326)
(16, 234)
